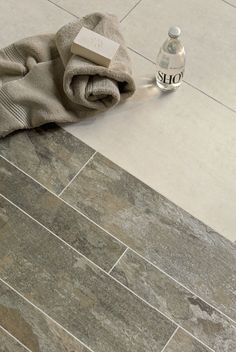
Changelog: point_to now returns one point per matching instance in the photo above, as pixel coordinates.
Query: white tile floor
(181, 144)
(24, 18)
(209, 35)
(83, 7)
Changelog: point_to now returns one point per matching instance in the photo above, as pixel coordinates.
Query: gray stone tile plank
(172, 239)
(9, 344)
(31, 327)
(187, 310)
(81, 297)
(49, 154)
(58, 217)
(182, 342)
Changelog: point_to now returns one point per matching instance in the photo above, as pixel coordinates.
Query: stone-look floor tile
(49, 154)
(182, 342)
(182, 144)
(162, 232)
(58, 217)
(8, 344)
(31, 327)
(83, 299)
(41, 17)
(146, 27)
(176, 302)
(83, 7)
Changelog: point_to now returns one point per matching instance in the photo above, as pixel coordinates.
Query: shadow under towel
(41, 81)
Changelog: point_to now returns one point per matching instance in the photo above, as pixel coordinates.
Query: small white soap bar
(94, 47)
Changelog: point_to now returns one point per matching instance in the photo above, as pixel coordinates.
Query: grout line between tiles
(228, 3)
(209, 96)
(62, 8)
(77, 174)
(14, 338)
(106, 273)
(144, 57)
(118, 260)
(170, 339)
(130, 11)
(186, 82)
(48, 316)
(182, 285)
(117, 239)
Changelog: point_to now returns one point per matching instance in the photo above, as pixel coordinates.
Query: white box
(94, 47)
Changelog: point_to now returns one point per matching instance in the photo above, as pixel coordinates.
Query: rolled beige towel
(41, 81)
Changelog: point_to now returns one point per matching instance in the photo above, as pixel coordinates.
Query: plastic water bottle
(171, 62)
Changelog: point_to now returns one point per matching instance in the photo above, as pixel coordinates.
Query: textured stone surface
(176, 302)
(49, 154)
(31, 327)
(8, 344)
(182, 342)
(58, 217)
(168, 236)
(82, 298)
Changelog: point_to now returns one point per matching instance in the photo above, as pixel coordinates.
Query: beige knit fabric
(41, 81)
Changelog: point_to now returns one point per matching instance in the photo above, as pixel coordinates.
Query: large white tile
(209, 36)
(183, 144)
(83, 7)
(24, 18)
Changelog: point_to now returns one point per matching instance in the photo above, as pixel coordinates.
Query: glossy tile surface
(208, 34)
(25, 18)
(58, 217)
(182, 144)
(83, 7)
(49, 154)
(168, 236)
(37, 332)
(182, 342)
(176, 302)
(83, 299)
(8, 344)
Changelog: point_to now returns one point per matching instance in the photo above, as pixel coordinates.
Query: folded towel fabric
(41, 81)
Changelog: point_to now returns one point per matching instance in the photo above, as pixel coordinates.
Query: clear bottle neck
(173, 46)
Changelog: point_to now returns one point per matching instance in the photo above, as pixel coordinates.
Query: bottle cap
(174, 32)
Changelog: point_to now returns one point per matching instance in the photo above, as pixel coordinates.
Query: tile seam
(14, 338)
(74, 177)
(170, 339)
(120, 257)
(106, 273)
(62, 8)
(44, 313)
(117, 239)
(188, 83)
(228, 3)
(72, 14)
(130, 10)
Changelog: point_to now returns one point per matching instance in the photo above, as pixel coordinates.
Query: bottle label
(167, 78)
